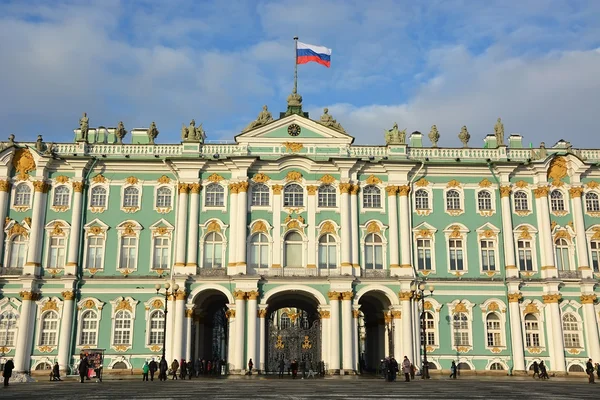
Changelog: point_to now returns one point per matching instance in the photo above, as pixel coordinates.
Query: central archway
(376, 329)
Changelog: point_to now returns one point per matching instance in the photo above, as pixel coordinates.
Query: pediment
(311, 132)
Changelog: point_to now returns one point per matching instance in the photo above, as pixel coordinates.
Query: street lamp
(166, 295)
(419, 289)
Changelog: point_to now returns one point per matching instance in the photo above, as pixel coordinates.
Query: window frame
(95, 208)
(26, 202)
(490, 199)
(561, 249)
(288, 195)
(257, 202)
(526, 233)
(83, 329)
(252, 245)
(158, 331)
(9, 327)
(592, 206)
(467, 331)
(371, 198)
(128, 330)
(42, 341)
(328, 245)
(518, 202)
(298, 243)
(325, 194)
(215, 196)
(575, 334)
(9, 247)
(62, 204)
(214, 244)
(126, 230)
(160, 196)
(498, 333)
(557, 202)
(530, 334)
(375, 245)
(127, 198)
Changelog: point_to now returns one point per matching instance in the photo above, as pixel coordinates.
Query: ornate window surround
(530, 202)
(425, 211)
(461, 192)
(329, 227)
(94, 228)
(99, 209)
(377, 227)
(573, 307)
(498, 307)
(153, 304)
(490, 233)
(213, 225)
(568, 234)
(57, 228)
(12, 229)
(55, 187)
(127, 304)
(12, 305)
(125, 229)
(164, 210)
(85, 304)
(226, 196)
(536, 308)
(131, 182)
(44, 306)
(492, 191)
(304, 242)
(433, 307)
(583, 199)
(13, 191)
(565, 198)
(382, 195)
(256, 227)
(466, 307)
(592, 234)
(161, 228)
(425, 231)
(528, 233)
(457, 231)
(250, 193)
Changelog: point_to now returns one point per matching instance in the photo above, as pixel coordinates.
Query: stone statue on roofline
(39, 144)
(264, 117)
(192, 133)
(434, 135)
(49, 149)
(395, 136)
(152, 133)
(464, 136)
(120, 132)
(84, 126)
(329, 121)
(499, 132)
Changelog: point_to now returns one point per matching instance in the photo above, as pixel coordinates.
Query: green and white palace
(292, 242)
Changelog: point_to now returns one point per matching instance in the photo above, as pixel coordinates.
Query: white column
(398, 345)
(180, 229)
(242, 222)
(545, 232)
(347, 339)
(34, 248)
(393, 223)
(25, 332)
(346, 265)
(178, 332)
(170, 321)
(312, 226)
(334, 332)
(233, 228)
(66, 331)
(554, 323)
(507, 234)
(240, 319)
(232, 337)
(276, 254)
(189, 319)
(262, 337)
(192, 240)
(197, 341)
(325, 329)
(582, 253)
(405, 234)
(73, 252)
(516, 331)
(252, 333)
(355, 338)
(407, 318)
(591, 326)
(387, 318)
(4, 189)
(354, 224)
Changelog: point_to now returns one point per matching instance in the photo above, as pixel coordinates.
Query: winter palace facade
(291, 242)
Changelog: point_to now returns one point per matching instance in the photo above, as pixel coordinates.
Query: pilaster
(545, 232)
(233, 229)
(75, 232)
(24, 343)
(180, 229)
(347, 332)
(192, 251)
(512, 271)
(34, 248)
(311, 231)
(406, 269)
(354, 224)
(242, 222)
(581, 241)
(240, 319)
(4, 189)
(276, 226)
(66, 329)
(346, 264)
(393, 232)
(516, 331)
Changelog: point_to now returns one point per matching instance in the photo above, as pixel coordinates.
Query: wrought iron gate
(294, 343)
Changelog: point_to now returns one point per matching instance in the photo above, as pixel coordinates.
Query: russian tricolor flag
(306, 53)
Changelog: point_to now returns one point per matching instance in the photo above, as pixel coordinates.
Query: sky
(534, 63)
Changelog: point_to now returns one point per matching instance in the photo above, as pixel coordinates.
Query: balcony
(296, 272)
(211, 272)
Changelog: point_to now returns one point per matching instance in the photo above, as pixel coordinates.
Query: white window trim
(8, 237)
(584, 205)
(11, 305)
(225, 205)
(565, 196)
(85, 304)
(151, 306)
(418, 234)
(118, 304)
(13, 192)
(461, 193)
(45, 305)
(94, 228)
(433, 307)
(382, 194)
(304, 249)
(251, 189)
(526, 232)
(496, 361)
(98, 210)
(80, 328)
(207, 228)
(523, 213)
(336, 236)
(364, 232)
(499, 309)
(254, 229)
(490, 233)
(539, 314)
(469, 312)
(573, 307)
(338, 197)
(570, 236)
(419, 211)
(138, 206)
(56, 208)
(161, 228)
(164, 210)
(592, 234)
(461, 232)
(57, 228)
(492, 191)
(123, 231)
(297, 209)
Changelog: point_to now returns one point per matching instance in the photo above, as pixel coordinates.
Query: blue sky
(535, 63)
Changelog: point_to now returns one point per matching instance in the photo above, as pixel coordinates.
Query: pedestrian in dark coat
(56, 372)
(294, 366)
(543, 372)
(163, 367)
(394, 364)
(152, 367)
(183, 369)
(589, 369)
(250, 365)
(453, 370)
(7, 373)
(174, 368)
(536, 369)
(83, 368)
(281, 368)
(197, 365)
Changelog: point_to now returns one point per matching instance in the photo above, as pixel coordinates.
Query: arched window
(285, 321)
(373, 251)
(562, 255)
(95, 252)
(461, 329)
(452, 200)
(49, 329)
(422, 199)
(575, 368)
(496, 367)
(213, 250)
(431, 329)
(484, 200)
(521, 201)
(293, 196)
(463, 366)
(293, 250)
(122, 328)
(98, 196)
(327, 252)
(532, 331)
(557, 201)
(131, 197)
(89, 328)
(163, 197)
(157, 328)
(570, 327)
(215, 195)
(119, 365)
(8, 329)
(327, 196)
(494, 330)
(595, 247)
(259, 251)
(371, 197)
(43, 366)
(22, 195)
(61, 196)
(260, 195)
(17, 251)
(128, 252)
(591, 202)
(56, 252)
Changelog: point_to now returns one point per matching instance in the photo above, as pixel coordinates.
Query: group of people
(391, 368)
(539, 370)
(181, 370)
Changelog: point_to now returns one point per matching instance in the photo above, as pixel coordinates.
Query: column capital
(333, 295)
(551, 298)
(514, 297)
(354, 189)
(312, 190)
(239, 295)
(541, 191)
(277, 189)
(391, 190)
(347, 295)
(180, 295)
(252, 295)
(403, 190)
(588, 298)
(4, 185)
(195, 188)
(324, 314)
(576, 191)
(405, 296)
(41, 186)
(345, 188)
(242, 187)
(355, 313)
(396, 314)
(505, 191)
(233, 188)
(78, 186)
(230, 314)
(184, 188)
(68, 295)
(27, 295)
(262, 313)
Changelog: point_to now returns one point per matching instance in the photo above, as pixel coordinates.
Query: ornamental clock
(293, 130)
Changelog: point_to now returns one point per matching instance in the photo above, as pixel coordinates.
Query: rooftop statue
(84, 126)
(329, 121)
(39, 144)
(11, 139)
(120, 132)
(264, 117)
(464, 136)
(499, 132)
(434, 136)
(395, 136)
(152, 132)
(192, 133)
(49, 148)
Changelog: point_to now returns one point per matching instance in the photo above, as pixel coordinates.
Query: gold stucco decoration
(424, 233)
(345, 187)
(195, 188)
(262, 313)
(213, 226)
(551, 298)
(18, 229)
(261, 178)
(293, 176)
(123, 305)
(293, 147)
(40, 186)
(45, 349)
(557, 170)
(215, 178)
(493, 306)
(403, 190)
(62, 179)
(333, 295)
(524, 233)
(89, 304)
(277, 189)
(120, 348)
(562, 234)
(68, 295)
(160, 231)
(453, 183)
(324, 314)
(239, 295)
(576, 191)
(157, 304)
(428, 305)
(129, 229)
(4, 185)
(354, 189)
(422, 182)
(531, 308)
(484, 183)
(243, 187)
(463, 349)
(373, 180)
(99, 179)
(593, 185)
(505, 191)
(487, 234)
(327, 179)
(163, 180)
(57, 230)
(514, 297)
(96, 230)
(596, 235)
(50, 305)
(293, 225)
(311, 190)
(541, 191)
(521, 184)
(460, 307)
(391, 190)
(373, 227)
(456, 233)
(23, 163)
(78, 187)
(405, 296)
(132, 180)
(252, 295)
(327, 227)
(259, 226)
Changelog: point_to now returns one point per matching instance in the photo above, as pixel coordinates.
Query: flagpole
(296, 65)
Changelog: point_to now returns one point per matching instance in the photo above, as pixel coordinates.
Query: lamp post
(419, 289)
(166, 295)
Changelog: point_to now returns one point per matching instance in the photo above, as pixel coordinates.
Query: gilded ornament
(243, 187)
(128, 229)
(463, 349)
(62, 179)
(562, 234)
(50, 305)
(495, 350)
(345, 187)
(596, 231)
(18, 229)
(574, 351)
(593, 185)
(293, 225)
(373, 227)
(521, 184)
(541, 191)
(324, 314)
(164, 180)
(27, 220)
(373, 180)
(293, 147)
(184, 188)
(505, 191)
(355, 313)
(45, 349)
(89, 304)
(558, 169)
(327, 179)
(180, 295)
(239, 295)
(189, 313)
(576, 191)
(57, 231)
(155, 348)
(396, 314)
(40, 186)
(493, 306)
(553, 225)
(534, 350)
(261, 178)
(195, 188)
(160, 231)
(333, 295)
(453, 184)
(488, 233)
(279, 345)
(531, 308)
(262, 313)
(484, 183)
(158, 304)
(68, 295)
(123, 304)
(387, 318)
(259, 226)
(403, 190)
(77, 186)
(252, 295)
(277, 189)
(294, 176)
(120, 348)
(354, 189)
(428, 305)
(312, 190)
(215, 178)
(460, 307)
(524, 233)
(27, 295)
(306, 344)
(327, 227)
(424, 233)
(233, 188)
(456, 233)
(422, 182)
(514, 297)
(99, 179)
(588, 298)
(23, 163)
(4, 185)
(230, 314)
(405, 296)
(347, 295)
(213, 226)
(391, 190)
(95, 231)
(132, 180)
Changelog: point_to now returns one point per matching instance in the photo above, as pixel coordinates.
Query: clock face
(293, 130)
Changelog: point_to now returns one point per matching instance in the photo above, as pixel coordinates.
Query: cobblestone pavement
(328, 388)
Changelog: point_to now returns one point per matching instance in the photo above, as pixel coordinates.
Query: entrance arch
(210, 331)
(375, 327)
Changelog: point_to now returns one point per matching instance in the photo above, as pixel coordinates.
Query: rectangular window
(88, 332)
(525, 255)
(572, 340)
(424, 254)
(461, 338)
(95, 252)
(456, 255)
(161, 253)
(595, 245)
(488, 255)
(56, 256)
(128, 252)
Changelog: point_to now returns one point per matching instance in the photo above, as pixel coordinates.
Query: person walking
(182, 369)
(163, 367)
(598, 370)
(281, 368)
(589, 369)
(543, 372)
(145, 370)
(83, 368)
(294, 366)
(152, 367)
(56, 372)
(406, 369)
(250, 365)
(453, 370)
(174, 368)
(536, 370)
(197, 365)
(413, 370)
(395, 368)
(7, 372)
